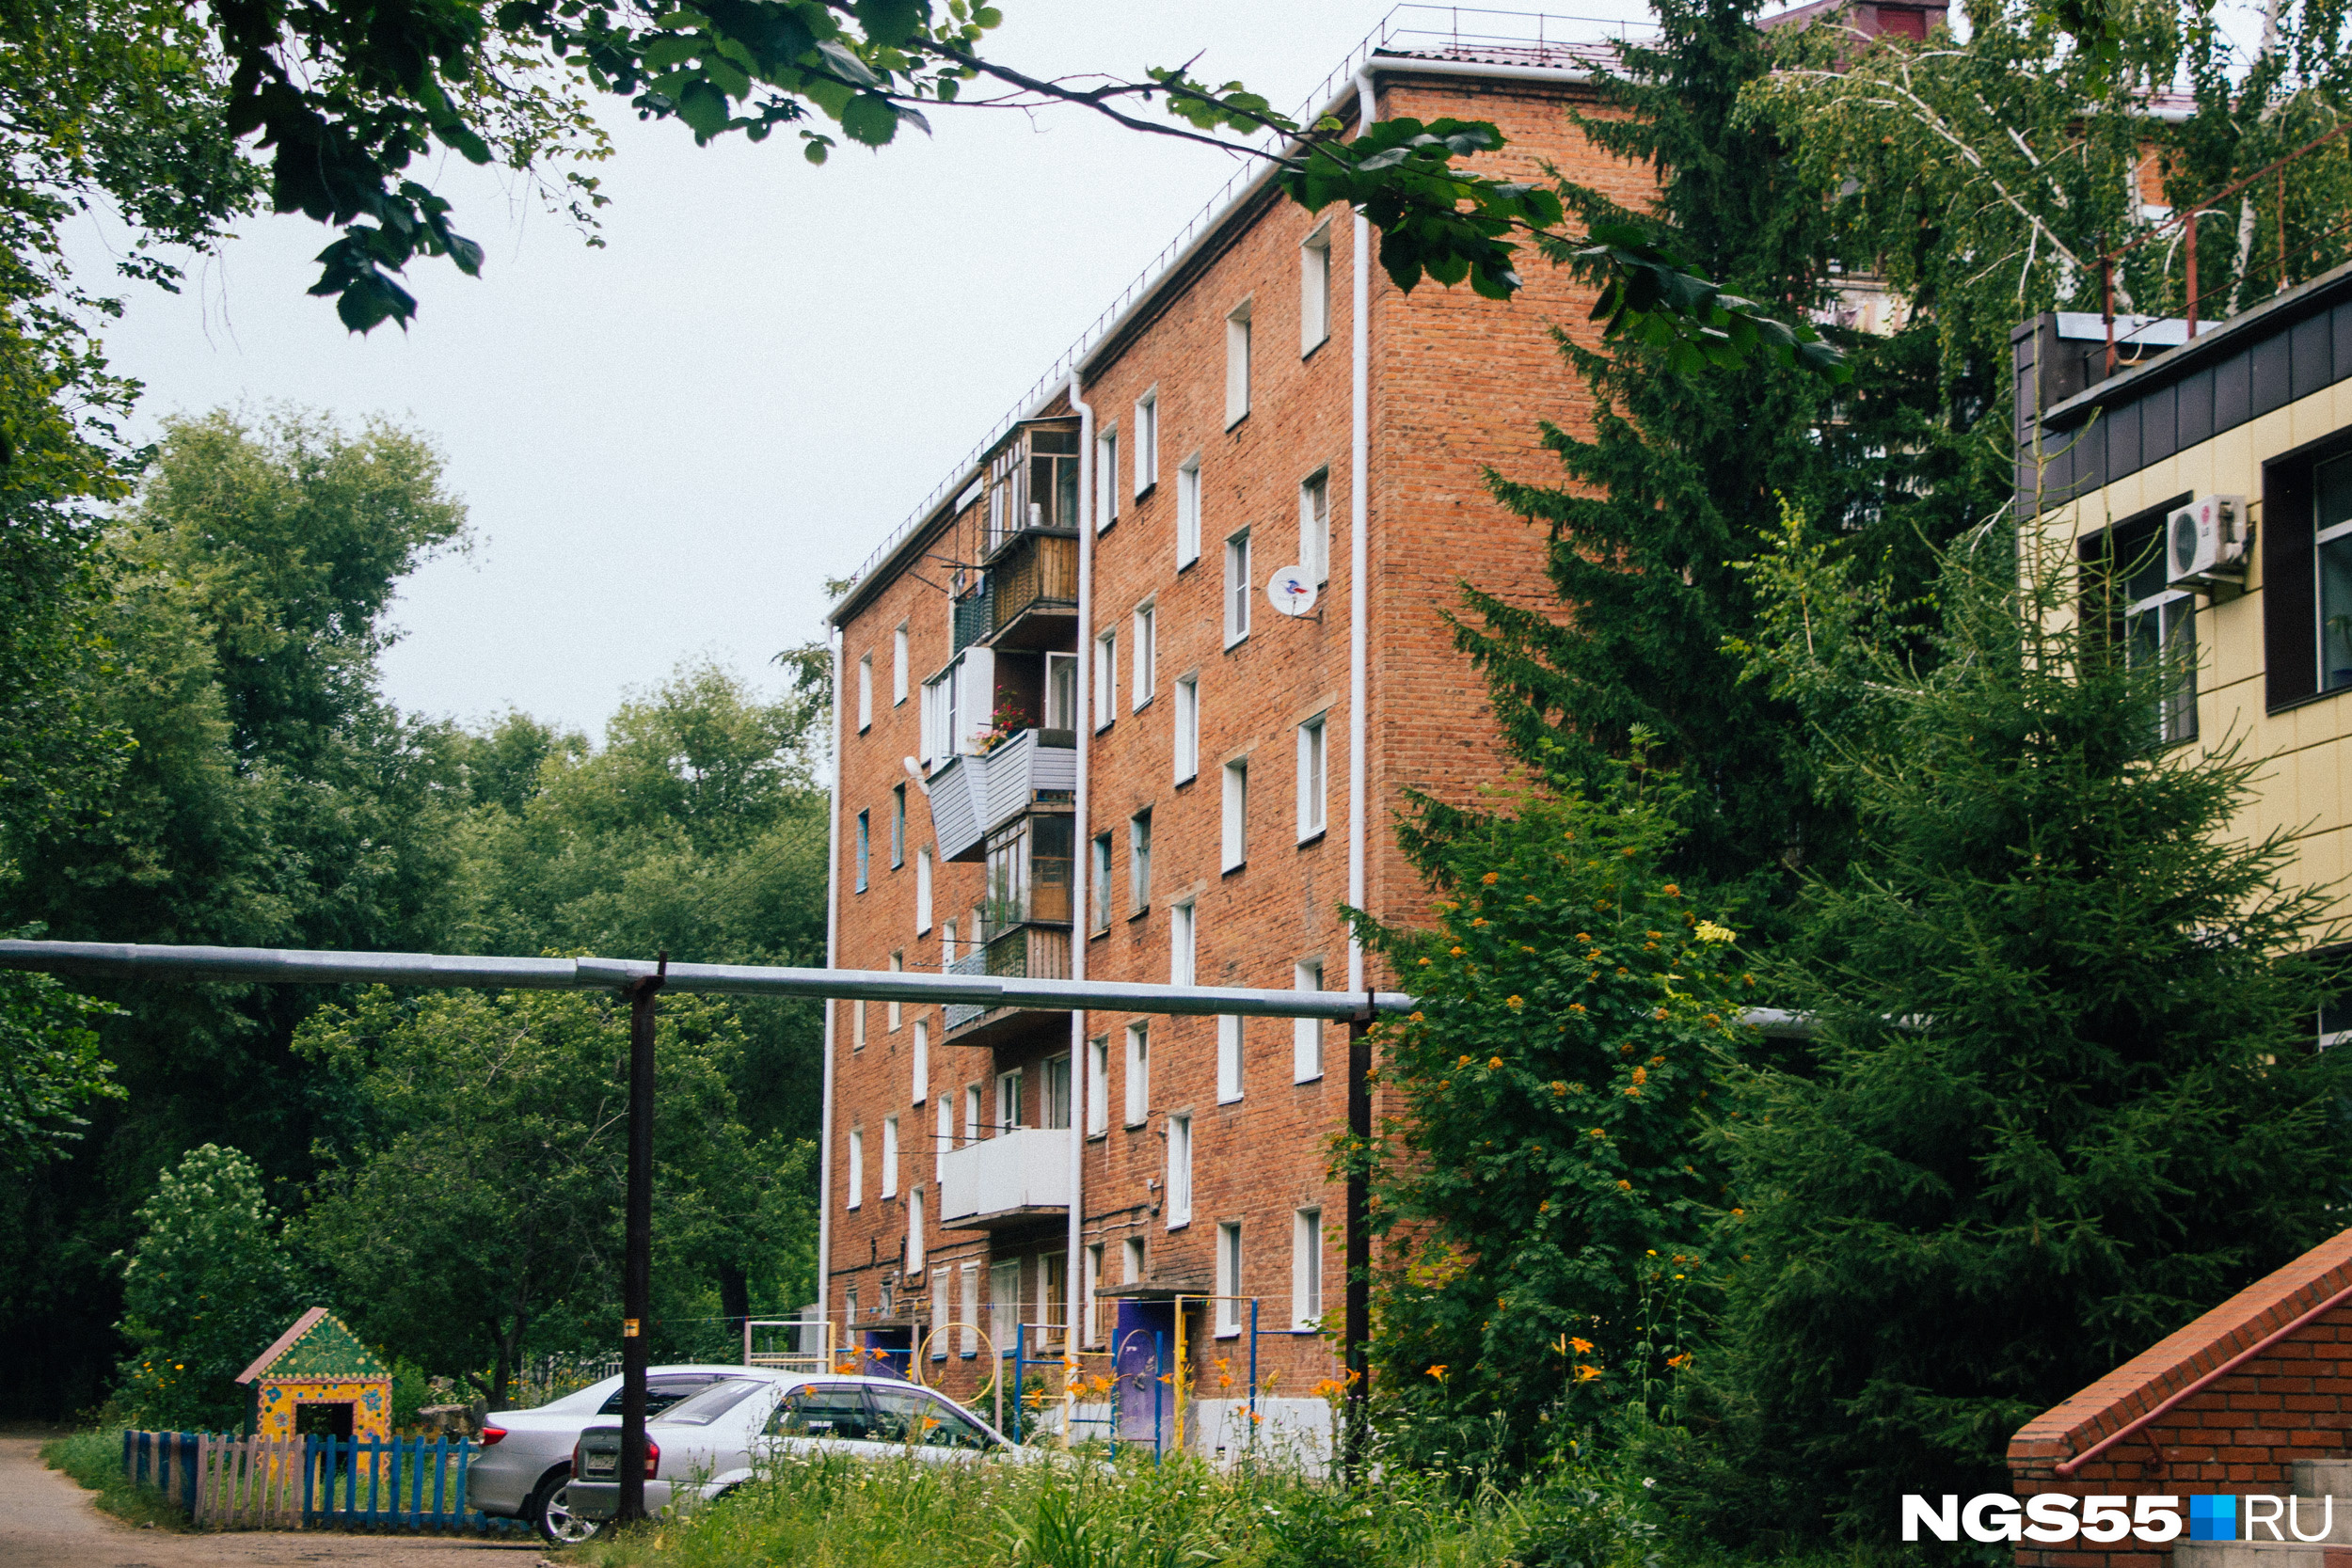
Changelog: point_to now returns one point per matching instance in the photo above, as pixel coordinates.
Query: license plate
(603, 1463)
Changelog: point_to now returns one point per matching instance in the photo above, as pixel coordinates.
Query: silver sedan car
(707, 1445)
(526, 1455)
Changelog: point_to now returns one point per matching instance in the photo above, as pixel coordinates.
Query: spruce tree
(2066, 1095)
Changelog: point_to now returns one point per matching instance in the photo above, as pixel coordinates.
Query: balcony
(1014, 1177)
(1031, 952)
(1032, 591)
(975, 618)
(975, 793)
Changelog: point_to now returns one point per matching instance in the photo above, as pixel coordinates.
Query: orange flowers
(1438, 1371)
(1672, 891)
(1576, 1006)
(1581, 1347)
(1494, 1063)
(1514, 1003)
(1678, 1362)
(1489, 880)
(1625, 1186)
(1587, 1374)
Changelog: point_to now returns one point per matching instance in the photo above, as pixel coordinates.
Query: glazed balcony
(1032, 591)
(974, 794)
(1029, 952)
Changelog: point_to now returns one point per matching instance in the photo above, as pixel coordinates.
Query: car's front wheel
(551, 1515)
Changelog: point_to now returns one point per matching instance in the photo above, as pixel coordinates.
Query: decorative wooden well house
(318, 1378)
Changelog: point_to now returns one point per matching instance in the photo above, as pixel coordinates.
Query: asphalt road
(46, 1521)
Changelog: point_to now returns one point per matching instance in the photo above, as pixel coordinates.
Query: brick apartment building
(1077, 740)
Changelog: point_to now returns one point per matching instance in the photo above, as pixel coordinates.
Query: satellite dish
(1291, 591)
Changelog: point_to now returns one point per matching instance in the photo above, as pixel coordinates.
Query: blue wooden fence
(322, 1482)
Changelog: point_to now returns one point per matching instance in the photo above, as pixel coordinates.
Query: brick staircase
(2310, 1480)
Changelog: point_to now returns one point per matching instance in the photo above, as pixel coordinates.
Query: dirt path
(46, 1521)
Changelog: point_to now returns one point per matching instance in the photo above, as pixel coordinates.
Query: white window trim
(919, 1063)
(1105, 478)
(922, 890)
(1143, 658)
(855, 1186)
(1139, 863)
(1138, 1075)
(1229, 1267)
(1098, 1086)
(1234, 836)
(942, 1136)
(1184, 936)
(1307, 1033)
(1187, 747)
(1094, 1292)
(914, 1230)
(1106, 678)
(1314, 539)
(1179, 1200)
(1099, 882)
(1314, 777)
(896, 1009)
(1132, 1261)
(1237, 351)
(1188, 512)
(899, 665)
(1229, 1042)
(1314, 288)
(865, 693)
(1147, 455)
(1237, 589)
(970, 1338)
(1306, 1269)
(890, 1157)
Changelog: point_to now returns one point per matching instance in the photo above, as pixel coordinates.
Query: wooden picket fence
(309, 1483)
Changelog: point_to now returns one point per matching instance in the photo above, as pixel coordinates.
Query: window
(1147, 459)
(969, 1315)
(1098, 1084)
(1180, 935)
(1313, 775)
(1062, 691)
(1188, 727)
(1098, 884)
(1107, 479)
(948, 946)
(922, 890)
(898, 966)
(1237, 833)
(1314, 525)
(1144, 655)
(1179, 1171)
(1229, 1041)
(1094, 1289)
(949, 700)
(1315, 289)
(914, 1230)
(890, 1157)
(1139, 862)
(899, 665)
(865, 693)
(1131, 1260)
(850, 1304)
(857, 1026)
(2335, 1023)
(1106, 679)
(2159, 627)
(1237, 365)
(1237, 588)
(939, 1316)
(1052, 1296)
(857, 1169)
(920, 1075)
(1188, 512)
(1008, 1102)
(971, 1113)
(898, 826)
(2331, 534)
(1056, 1111)
(943, 1139)
(1004, 1304)
(1138, 1074)
(1306, 1033)
(1306, 1269)
(864, 850)
(1227, 1278)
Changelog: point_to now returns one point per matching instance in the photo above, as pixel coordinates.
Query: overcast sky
(667, 444)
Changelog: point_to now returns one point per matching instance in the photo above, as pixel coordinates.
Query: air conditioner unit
(2204, 542)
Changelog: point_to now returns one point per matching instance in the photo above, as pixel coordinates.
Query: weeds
(94, 1460)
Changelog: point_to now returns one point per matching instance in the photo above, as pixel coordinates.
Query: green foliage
(1575, 1015)
(50, 1068)
(94, 1460)
(2066, 1095)
(208, 1286)
(1650, 297)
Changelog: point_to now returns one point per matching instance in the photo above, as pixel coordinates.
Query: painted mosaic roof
(317, 1346)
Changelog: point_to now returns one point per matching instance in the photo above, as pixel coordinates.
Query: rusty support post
(1359, 1245)
(2193, 216)
(637, 1243)
(2107, 306)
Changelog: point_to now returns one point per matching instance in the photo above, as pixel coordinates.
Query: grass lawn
(95, 1460)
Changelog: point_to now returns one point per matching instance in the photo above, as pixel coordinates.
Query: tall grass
(94, 1459)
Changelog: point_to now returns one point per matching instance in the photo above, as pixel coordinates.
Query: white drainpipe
(1081, 852)
(1358, 548)
(833, 959)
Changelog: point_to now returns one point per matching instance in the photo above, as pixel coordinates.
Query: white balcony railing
(1023, 1170)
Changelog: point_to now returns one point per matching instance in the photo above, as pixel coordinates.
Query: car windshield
(712, 1402)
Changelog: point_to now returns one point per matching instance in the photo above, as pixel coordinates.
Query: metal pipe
(637, 1246)
(1081, 858)
(838, 637)
(1358, 548)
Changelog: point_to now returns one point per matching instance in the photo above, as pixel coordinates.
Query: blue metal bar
(1253, 1373)
(1020, 1356)
(1159, 1372)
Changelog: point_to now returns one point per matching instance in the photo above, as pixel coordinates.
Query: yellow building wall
(2301, 786)
(371, 1402)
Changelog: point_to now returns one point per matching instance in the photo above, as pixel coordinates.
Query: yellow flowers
(1524, 948)
(1489, 880)
(1586, 1374)
(1624, 1186)
(1598, 1133)
(1543, 1208)
(1627, 853)
(1584, 936)
(1710, 931)
(1479, 920)
(1438, 1371)
(1558, 1088)
(1671, 891)
(1661, 1015)
(1581, 1347)
(1641, 1075)
(1494, 1063)
(1454, 952)
(1576, 1006)
(1464, 1062)
(1422, 1018)
(1514, 1003)
(1424, 964)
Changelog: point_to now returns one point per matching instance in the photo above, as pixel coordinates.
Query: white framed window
(850, 1305)
(855, 1186)
(1062, 691)
(1147, 457)
(1106, 679)
(1131, 1260)
(1144, 655)
(898, 826)
(1095, 1291)
(940, 1319)
(1139, 862)
(1055, 1108)
(1098, 1084)
(1138, 1074)
(1187, 746)
(1105, 479)
(899, 665)
(857, 1026)
(969, 1315)
(971, 1113)
(1228, 1044)
(1007, 1104)
(1306, 1033)
(1180, 943)
(1314, 288)
(1179, 1171)
(942, 1138)
(919, 1063)
(947, 948)
(890, 1157)
(1313, 776)
(1236, 823)
(1188, 512)
(1237, 364)
(923, 890)
(1004, 1304)
(1314, 525)
(1228, 1279)
(914, 1230)
(1237, 588)
(1098, 884)
(865, 847)
(865, 693)
(898, 966)
(1306, 1269)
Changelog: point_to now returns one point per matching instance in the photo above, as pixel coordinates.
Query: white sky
(668, 443)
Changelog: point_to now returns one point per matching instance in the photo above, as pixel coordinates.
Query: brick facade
(2242, 1432)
